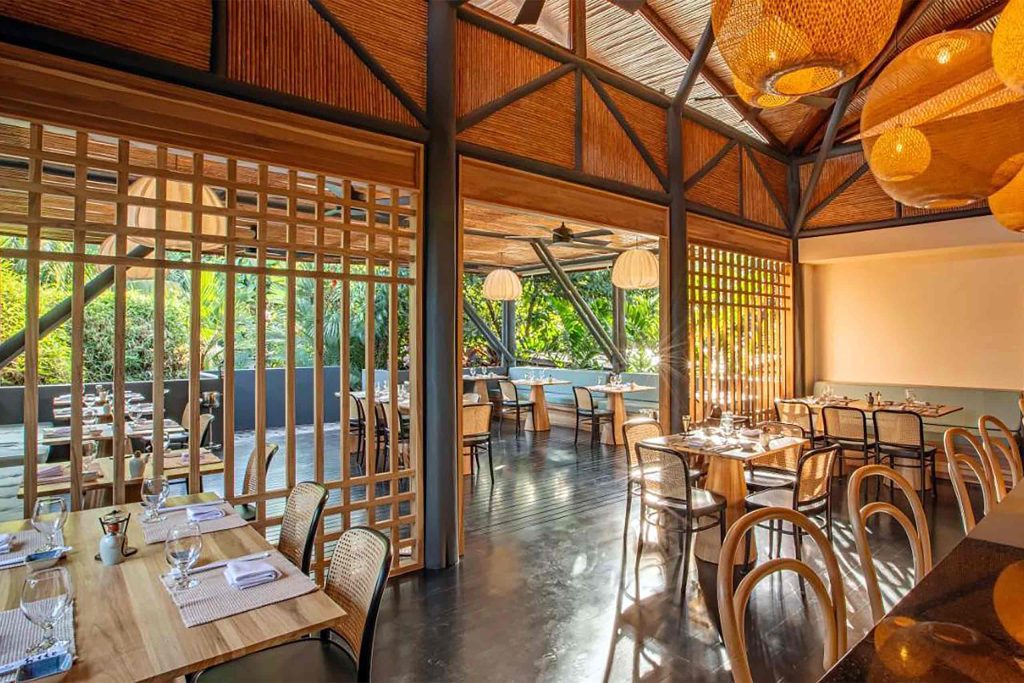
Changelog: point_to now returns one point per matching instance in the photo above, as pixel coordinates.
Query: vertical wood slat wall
(740, 332)
(282, 224)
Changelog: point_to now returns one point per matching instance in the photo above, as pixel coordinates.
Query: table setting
(42, 545)
(38, 637)
(160, 520)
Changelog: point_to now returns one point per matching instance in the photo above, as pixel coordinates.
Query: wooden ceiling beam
(673, 40)
(696, 65)
(578, 27)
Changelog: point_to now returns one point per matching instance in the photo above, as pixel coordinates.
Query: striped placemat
(214, 599)
(17, 634)
(25, 542)
(156, 532)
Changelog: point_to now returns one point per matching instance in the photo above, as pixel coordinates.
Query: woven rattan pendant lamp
(1008, 46)
(636, 268)
(800, 47)
(756, 98)
(940, 129)
(1008, 204)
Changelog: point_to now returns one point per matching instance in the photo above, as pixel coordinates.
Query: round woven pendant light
(940, 129)
(756, 98)
(1008, 46)
(501, 284)
(800, 47)
(1008, 204)
(636, 269)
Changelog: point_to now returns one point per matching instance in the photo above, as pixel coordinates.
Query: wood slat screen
(278, 254)
(740, 332)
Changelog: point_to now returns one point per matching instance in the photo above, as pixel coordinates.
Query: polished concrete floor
(546, 588)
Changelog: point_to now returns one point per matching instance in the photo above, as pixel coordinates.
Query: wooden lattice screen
(740, 332)
(329, 247)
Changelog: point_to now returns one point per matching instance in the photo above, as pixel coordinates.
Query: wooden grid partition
(315, 240)
(740, 332)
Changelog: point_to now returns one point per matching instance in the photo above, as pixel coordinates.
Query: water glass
(154, 494)
(686, 424)
(910, 395)
(181, 550)
(45, 597)
(48, 517)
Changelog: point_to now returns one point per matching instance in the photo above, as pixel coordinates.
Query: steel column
(508, 328)
(678, 276)
(492, 339)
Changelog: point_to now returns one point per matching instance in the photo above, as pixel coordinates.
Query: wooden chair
(301, 517)
(182, 440)
(732, 603)
(355, 580)
(776, 470)
(357, 407)
(848, 429)
(797, 413)
(917, 531)
(510, 402)
(899, 440)
(670, 501)
(250, 480)
(586, 409)
(476, 434)
(979, 466)
(999, 449)
(633, 432)
(810, 496)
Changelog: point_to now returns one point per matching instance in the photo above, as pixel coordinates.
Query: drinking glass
(154, 495)
(910, 395)
(181, 550)
(45, 597)
(686, 424)
(48, 517)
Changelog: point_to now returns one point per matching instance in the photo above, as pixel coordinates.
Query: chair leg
(490, 462)
(746, 545)
(935, 480)
(576, 433)
(686, 562)
(798, 539)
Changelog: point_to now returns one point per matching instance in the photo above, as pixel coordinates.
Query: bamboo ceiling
(637, 46)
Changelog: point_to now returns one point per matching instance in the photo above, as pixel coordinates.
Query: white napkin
(242, 574)
(5, 542)
(203, 513)
(50, 472)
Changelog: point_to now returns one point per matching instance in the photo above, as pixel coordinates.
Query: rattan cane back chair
(848, 428)
(302, 512)
(899, 440)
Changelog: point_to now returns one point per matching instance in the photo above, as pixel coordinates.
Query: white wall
(939, 304)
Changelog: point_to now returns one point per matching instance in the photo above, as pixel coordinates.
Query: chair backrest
(663, 472)
(899, 428)
(508, 391)
(846, 424)
(977, 463)
(732, 603)
(917, 531)
(786, 459)
(356, 579)
(998, 449)
(302, 512)
(636, 430)
(476, 419)
(380, 412)
(471, 398)
(185, 414)
(355, 409)
(814, 475)
(250, 480)
(794, 412)
(584, 399)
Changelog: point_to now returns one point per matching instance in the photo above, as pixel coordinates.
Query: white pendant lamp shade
(636, 269)
(502, 284)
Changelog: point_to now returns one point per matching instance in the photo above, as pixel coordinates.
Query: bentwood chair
(633, 432)
(476, 434)
(250, 480)
(776, 470)
(797, 413)
(586, 409)
(999, 448)
(848, 429)
(511, 403)
(355, 580)
(182, 440)
(670, 501)
(357, 407)
(732, 600)
(810, 496)
(956, 461)
(917, 531)
(899, 441)
(302, 512)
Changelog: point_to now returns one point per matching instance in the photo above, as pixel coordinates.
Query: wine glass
(154, 494)
(686, 424)
(45, 597)
(181, 550)
(48, 517)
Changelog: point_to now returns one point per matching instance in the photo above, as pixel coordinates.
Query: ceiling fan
(529, 10)
(565, 237)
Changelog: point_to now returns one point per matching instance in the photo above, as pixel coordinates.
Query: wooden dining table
(128, 629)
(480, 383)
(612, 433)
(61, 436)
(726, 478)
(963, 622)
(64, 400)
(538, 419)
(932, 410)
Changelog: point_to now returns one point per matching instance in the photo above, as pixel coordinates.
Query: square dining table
(538, 419)
(611, 434)
(126, 626)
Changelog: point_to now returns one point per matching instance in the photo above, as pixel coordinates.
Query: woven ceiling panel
(607, 150)
(833, 173)
(648, 120)
(720, 187)
(861, 202)
(700, 144)
(757, 197)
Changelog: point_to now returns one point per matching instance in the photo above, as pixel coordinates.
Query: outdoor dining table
(538, 419)
(480, 382)
(64, 400)
(726, 478)
(61, 436)
(126, 626)
(104, 412)
(612, 433)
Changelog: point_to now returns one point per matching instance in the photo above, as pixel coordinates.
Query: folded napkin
(242, 574)
(750, 433)
(5, 542)
(50, 472)
(203, 513)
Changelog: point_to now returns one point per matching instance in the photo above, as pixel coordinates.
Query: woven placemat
(17, 634)
(25, 543)
(156, 532)
(214, 599)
